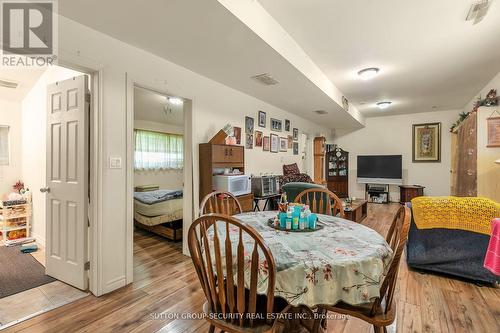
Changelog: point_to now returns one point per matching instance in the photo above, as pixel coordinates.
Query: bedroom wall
(392, 135)
(34, 117)
(166, 179)
(10, 115)
(213, 105)
(488, 173)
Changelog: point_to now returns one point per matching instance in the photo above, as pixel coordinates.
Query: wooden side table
(356, 211)
(408, 192)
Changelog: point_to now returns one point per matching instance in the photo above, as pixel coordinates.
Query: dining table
(340, 261)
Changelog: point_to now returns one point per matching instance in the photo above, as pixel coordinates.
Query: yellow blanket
(470, 214)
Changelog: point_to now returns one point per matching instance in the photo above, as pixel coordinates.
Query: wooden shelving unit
(14, 218)
(337, 171)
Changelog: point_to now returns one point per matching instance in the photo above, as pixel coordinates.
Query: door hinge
(86, 266)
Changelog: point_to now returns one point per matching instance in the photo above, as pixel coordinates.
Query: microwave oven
(234, 184)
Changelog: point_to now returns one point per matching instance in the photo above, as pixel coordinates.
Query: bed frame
(163, 226)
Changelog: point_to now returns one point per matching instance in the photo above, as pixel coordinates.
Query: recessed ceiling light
(368, 73)
(321, 112)
(175, 100)
(384, 104)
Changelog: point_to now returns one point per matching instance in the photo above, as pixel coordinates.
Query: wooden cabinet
(213, 156)
(408, 192)
(337, 171)
(319, 160)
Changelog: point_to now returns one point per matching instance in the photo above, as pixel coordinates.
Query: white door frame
(95, 175)
(188, 211)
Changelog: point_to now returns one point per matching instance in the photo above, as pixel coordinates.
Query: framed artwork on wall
(266, 143)
(283, 144)
(287, 125)
(275, 143)
(493, 132)
(295, 148)
(426, 142)
(290, 142)
(276, 125)
(262, 119)
(258, 139)
(249, 140)
(249, 125)
(295, 134)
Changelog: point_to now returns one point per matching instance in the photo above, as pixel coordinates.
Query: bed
(160, 212)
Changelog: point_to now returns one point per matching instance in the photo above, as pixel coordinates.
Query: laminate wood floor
(165, 283)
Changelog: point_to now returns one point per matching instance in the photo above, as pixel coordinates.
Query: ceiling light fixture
(384, 105)
(175, 101)
(368, 73)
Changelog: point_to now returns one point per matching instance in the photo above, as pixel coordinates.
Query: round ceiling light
(175, 100)
(368, 73)
(384, 104)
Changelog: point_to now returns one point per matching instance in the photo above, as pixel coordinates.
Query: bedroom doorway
(158, 169)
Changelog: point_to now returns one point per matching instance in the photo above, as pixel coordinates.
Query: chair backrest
(220, 202)
(225, 237)
(321, 201)
(396, 238)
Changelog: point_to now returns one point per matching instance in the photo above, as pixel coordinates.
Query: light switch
(115, 162)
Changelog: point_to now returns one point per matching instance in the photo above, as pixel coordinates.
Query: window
(4, 145)
(158, 151)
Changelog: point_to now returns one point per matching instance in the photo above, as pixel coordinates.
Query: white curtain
(4, 145)
(158, 151)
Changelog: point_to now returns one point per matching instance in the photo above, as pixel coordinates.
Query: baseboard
(40, 240)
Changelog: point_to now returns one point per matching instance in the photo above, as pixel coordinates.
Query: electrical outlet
(115, 162)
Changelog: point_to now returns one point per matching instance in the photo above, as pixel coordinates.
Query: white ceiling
(25, 77)
(151, 106)
(206, 38)
(428, 54)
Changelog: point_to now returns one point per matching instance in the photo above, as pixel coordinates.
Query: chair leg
(379, 329)
(211, 329)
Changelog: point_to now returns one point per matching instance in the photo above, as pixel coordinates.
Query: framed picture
(249, 125)
(295, 134)
(258, 139)
(287, 125)
(345, 103)
(295, 148)
(266, 143)
(290, 142)
(275, 143)
(249, 140)
(283, 144)
(493, 132)
(237, 134)
(427, 142)
(262, 119)
(276, 125)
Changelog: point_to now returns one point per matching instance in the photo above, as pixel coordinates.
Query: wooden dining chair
(224, 274)
(382, 312)
(220, 202)
(321, 201)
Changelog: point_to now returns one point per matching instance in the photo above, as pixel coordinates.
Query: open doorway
(28, 288)
(158, 164)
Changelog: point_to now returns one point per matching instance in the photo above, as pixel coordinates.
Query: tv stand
(377, 193)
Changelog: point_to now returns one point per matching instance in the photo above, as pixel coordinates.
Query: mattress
(171, 208)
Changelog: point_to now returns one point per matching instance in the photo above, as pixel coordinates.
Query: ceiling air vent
(321, 112)
(8, 84)
(265, 79)
(478, 11)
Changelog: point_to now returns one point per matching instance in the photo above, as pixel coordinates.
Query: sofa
(450, 235)
(292, 174)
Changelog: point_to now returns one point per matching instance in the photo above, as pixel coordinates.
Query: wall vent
(8, 84)
(265, 79)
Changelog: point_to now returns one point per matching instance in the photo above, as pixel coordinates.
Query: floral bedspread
(344, 261)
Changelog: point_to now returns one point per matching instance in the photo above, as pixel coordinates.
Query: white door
(67, 181)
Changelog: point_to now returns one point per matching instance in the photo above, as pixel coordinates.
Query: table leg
(305, 320)
(265, 204)
(256, 208)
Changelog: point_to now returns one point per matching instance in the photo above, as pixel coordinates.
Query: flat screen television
(380, 169)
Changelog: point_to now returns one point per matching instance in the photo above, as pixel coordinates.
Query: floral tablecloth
(344, 261)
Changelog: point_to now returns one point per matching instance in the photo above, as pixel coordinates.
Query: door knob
(45, 189)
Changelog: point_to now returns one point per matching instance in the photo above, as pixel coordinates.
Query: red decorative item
(18, 186)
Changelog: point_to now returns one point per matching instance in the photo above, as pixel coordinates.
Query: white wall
(166, 179)
(10, 115)
(213, 105)
(34, 108)
(488, 177)
(392, 135)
